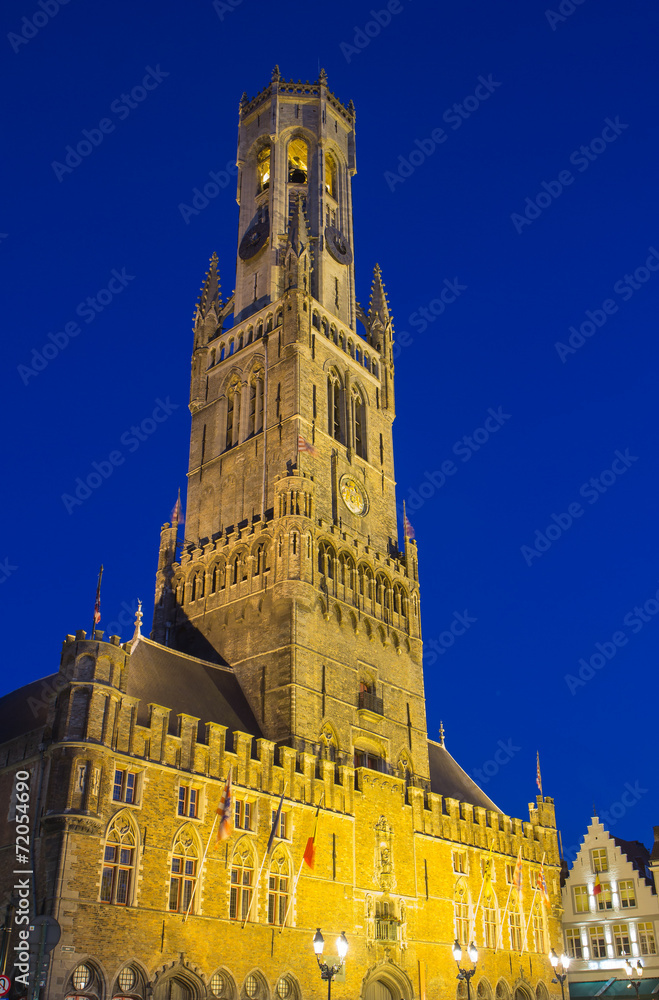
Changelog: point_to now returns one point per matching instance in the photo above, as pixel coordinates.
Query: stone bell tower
(291, 571)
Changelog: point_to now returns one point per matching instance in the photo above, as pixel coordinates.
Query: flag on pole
(538, 776)
(597, 888)
(275, 826)
(408, 530)
(518, 874)
(542, 884)
(303, 445)
(225, 811)
(486, 891)
(97, 603)
(309, 856)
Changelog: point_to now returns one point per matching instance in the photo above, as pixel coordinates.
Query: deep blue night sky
(534, 230)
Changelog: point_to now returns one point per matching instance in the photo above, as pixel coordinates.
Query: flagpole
(194, 888)
(503, 919)
(297, 878)
(97, 604)
(482, 887)
(265, 858)
(535, 891)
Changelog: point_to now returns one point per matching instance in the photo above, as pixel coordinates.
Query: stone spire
(378, 307)
(211, 294)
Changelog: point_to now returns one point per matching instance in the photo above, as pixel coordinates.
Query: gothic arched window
(278, 890)
(334, 407)
(358, 413)
(489, 922)
(298, 161)
(242, 876)
(326, 560)
(263, 170)
(347, 570)
(183, 871)
(461, 911)
(330, 175)
(118, 861)
(233, 414)
(515, 927)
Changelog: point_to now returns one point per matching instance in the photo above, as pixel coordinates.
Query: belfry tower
(291, 571)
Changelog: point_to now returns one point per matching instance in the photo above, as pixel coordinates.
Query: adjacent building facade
(286, 649)
(611, 913)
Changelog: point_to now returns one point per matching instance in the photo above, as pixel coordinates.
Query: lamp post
(630, 970)
(329, 971)
(559, 977)
(465, 974)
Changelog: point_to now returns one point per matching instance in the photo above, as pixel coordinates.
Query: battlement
(296, 89)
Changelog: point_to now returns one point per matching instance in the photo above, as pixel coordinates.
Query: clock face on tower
(353, 495)
(254, 239)
(338, 245)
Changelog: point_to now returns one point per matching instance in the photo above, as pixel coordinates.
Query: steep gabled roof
(210, 692)
(447, 778)
(638, 854)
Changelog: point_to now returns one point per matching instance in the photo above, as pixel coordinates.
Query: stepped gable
(638, 854)
(448, 779)
(26, 708)
(187, 685)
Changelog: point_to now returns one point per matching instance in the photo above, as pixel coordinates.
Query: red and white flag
(177, 513)
(407, 527)
(303, 445)
(225, 811)
(518, 874)
(538, 776)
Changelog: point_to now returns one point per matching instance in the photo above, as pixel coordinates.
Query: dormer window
(298, 160)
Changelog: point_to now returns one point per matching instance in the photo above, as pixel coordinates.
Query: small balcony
(370, 702)
(386, 929)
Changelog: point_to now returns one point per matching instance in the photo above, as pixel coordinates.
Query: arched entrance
(179, 985)
(377, 990)
(387, 982)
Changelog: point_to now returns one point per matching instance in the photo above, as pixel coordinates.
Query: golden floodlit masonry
(286, 649)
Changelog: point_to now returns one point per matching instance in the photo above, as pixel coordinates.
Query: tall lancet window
(358, 422)
(263, 170)
(330, 175)
(298, 161)
(334, 400)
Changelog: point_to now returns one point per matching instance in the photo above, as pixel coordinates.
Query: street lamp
(559, 977)
(465, 974)
(630, 970)
(329, 971)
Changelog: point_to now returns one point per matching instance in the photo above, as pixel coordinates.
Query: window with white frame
(599, 859)
(627, 894)
(580, 898)
(621, 940)
(489, 923)
(604, 897)
(460, 862)
(597, 941)
(646, 940)
(573, 942)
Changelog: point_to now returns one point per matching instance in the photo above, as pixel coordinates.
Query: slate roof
(183, 683)
(447, 778)
(26, 708)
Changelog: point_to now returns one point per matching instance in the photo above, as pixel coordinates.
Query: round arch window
(218, 985)
(82, 977)
(127, 979)
(251, 986)
(283, 988)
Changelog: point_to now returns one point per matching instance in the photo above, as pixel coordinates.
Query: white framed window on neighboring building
(604, 897)
(580, 898)
(646, 940)
(627, 894)
(621, 943)
(599, 859)
(597, 941)
(573, 942)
